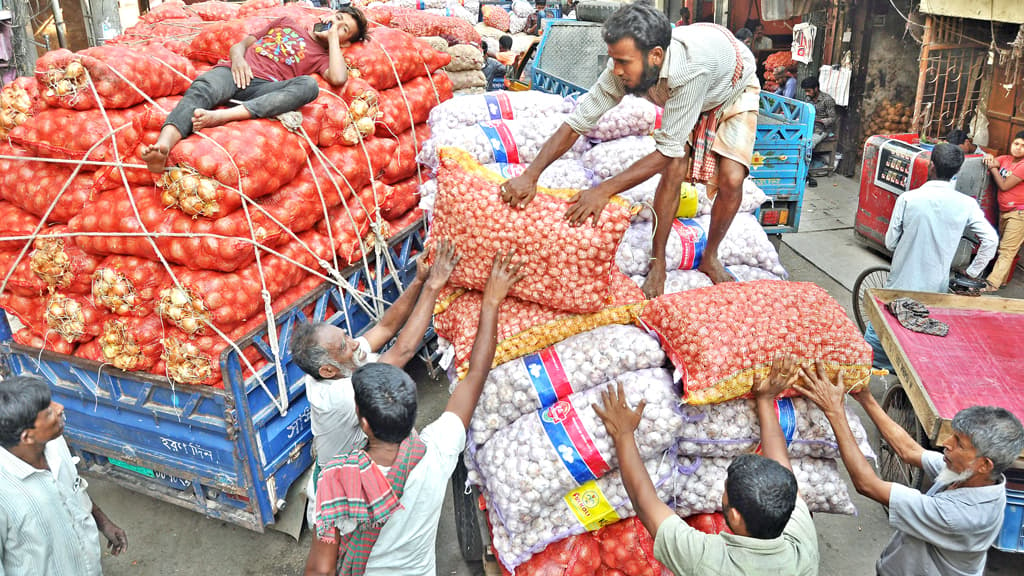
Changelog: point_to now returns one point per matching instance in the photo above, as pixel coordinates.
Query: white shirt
(924, 232)
(46, 523)
(407, 541)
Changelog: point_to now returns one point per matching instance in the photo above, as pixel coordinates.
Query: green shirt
(687, 551)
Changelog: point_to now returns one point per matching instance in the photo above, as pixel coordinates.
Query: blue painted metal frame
(782, 153)
(550, 83)
(228, 454)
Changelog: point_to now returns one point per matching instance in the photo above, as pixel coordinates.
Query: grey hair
(308, 353)
(994, 432)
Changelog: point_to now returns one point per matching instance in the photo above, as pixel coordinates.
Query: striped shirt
(46, 523)
(696, 76)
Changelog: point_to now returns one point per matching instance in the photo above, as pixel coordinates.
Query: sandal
(989, 287)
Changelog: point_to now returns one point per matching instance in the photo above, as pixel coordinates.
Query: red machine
(897, 163)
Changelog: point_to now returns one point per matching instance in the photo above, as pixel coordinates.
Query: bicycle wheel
(893, 469)
(874, 277)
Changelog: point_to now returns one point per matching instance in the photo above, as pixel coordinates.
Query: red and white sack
(128, 285)
(682, 280)
(529, 466)
(229, 299)
(404, 164)
(73, 317)
(566, 267)
(720, 337)
(132, 342)
(555, 523)
(512, 141)
(19, 101)
(575, 364)
(701, 481)
(47, 134)
(211, 170)
(632, 116)
(525, 327)
(609, 159)
(389, 56)
(403, 106)
(745, 242)
(467, 111)
(122, 77)
(731, 428)
(562, 173)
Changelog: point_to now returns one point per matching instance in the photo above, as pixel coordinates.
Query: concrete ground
(165, 539)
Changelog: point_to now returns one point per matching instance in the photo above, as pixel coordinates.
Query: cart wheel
(874, 277)
(467, 523)
(897, 405)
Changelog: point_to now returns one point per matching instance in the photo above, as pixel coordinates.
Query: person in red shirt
(267, 74)
(1008, 174)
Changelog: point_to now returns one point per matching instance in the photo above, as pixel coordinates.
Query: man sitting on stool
(824, 115)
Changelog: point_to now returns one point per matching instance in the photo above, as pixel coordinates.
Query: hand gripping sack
(122, 76)
(719, 337)
(575, 364)
(526, 327)
(566, 267)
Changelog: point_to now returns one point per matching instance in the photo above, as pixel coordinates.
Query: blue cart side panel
(782, 152)
(229, 454)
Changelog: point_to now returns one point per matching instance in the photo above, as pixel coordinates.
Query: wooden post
(849, 139)
(922, 76)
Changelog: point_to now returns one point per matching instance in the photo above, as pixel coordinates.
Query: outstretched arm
(415, 326)
(504, 274)
(519, 191)
(828, 395)
(783, 374)
(621, 422)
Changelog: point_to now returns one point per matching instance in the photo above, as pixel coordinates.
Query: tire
(892, 469)
(596, 10)
(874, 277)
(467, 520)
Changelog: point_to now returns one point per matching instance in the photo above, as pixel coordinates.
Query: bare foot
(989, 287)
(714, 269)
(209, 118)
(155, 157)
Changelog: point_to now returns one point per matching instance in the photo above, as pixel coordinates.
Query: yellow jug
(687, 201)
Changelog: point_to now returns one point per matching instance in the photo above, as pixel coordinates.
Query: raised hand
(505, 272)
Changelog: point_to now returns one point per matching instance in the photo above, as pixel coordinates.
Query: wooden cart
(980, 362)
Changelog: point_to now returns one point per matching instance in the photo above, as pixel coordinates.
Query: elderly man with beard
(706, 81)
(329, 356)
(948, 530)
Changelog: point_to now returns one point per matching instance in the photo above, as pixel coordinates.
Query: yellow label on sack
(590, 506)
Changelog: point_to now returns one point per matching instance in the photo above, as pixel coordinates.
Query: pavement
(165, 539)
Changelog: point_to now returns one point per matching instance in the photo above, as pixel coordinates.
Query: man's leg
(730, 191)
(816, 139)
(881, 359)
(212, 88)
(262, 99)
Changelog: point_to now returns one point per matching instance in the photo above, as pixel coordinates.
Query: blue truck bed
(230, 453)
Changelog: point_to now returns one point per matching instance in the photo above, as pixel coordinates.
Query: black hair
(957, 136)
(1019, 135)
(763, 492)
(947, 159)
(386, 398)
(360, 19)
(684, 13)
(809, 83)
(744, 34)
(307, 351)
(752, 24)
(648, 27)
(22, 398)
(505, 43)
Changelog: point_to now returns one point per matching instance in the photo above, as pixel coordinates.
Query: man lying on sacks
(706, 81)
(329, 356)
(772, 530)
(949, 529)
(267, 74)
(377, 507)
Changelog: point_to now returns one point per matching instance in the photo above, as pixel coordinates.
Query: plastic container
(1011, 537)
(687, 201)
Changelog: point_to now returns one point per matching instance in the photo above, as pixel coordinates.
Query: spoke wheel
(874, 277)
(897, 405)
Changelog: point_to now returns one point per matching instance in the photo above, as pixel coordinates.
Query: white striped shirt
(46, 523)
(696, 76)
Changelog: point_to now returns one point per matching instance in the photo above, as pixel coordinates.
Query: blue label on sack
(574, 447)
(787, 418)
(548, 376)
(693, 239)
(501, 141)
